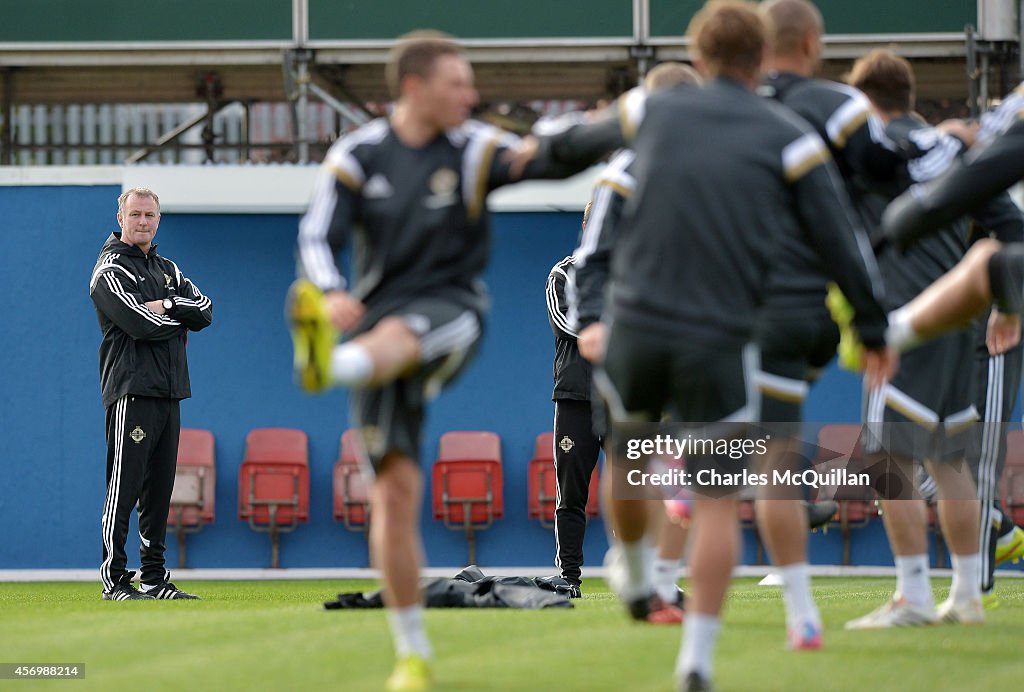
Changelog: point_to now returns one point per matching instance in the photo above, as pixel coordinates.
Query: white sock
(696, 654)
(796, 592)
(351, 365)
(666, 574)
(912, 580)
(408, 632)
(966, 578)
(638, 557)
(899, 334)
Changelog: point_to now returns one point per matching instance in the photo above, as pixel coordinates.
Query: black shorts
(710, 389)
(928, 408)
(793, 353)
(645, 373)
(390, 418)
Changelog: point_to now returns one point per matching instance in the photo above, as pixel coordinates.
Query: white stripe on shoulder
(558, 312)
(1000, 119)
(876, 128)
(803, 154)
(481, 140)
(615, 174)
(340, 160)
(315, 253)
(940, 150)
(632, 108)
(848, 117)
(110, 263)
(601, 203)
(553, 125)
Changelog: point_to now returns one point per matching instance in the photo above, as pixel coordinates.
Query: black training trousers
(142, 452)
(576, 452)
(996, 396)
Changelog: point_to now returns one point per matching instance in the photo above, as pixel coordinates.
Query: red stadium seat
(467, 483)
(541, 485)
(351, 486)
(1013, 477)
(195, 487)
(273, 483)
(540, 481)
(856, 504)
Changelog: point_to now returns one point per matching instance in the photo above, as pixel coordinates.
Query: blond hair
(139, 191)
(668, 74)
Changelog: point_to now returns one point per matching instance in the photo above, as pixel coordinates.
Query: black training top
(721, 175)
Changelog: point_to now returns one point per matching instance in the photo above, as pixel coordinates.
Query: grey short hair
(141, 192)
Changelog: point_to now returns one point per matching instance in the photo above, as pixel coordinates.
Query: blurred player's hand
(592, 341)
(156, 306)
(1003, 332)
(964, 131)
(880, 364)
(521, 156)
(344, 310)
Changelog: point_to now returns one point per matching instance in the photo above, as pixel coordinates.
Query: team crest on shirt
(138, 435)
(443, 181)
(167, 281)
(566, 444)
(443, 184)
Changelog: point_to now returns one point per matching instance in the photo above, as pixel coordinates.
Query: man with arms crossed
(145, 307)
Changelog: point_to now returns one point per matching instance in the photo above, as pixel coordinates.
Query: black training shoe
(695, 682)
(124, 591)
(640, 608)
(573, 591)
(167, 590)
(820, 513)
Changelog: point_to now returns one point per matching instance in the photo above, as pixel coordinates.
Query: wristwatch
(168, 304)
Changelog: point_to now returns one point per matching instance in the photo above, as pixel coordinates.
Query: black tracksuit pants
(996, 396)
(142, 452)
(576, 453)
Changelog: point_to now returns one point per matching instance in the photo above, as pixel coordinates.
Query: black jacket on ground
(143, 353)
(470, 588)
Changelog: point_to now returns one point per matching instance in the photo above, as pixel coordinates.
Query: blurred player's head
(796, 30)
(886, 79)
(728, 39)
(669, 74)
(427, 71)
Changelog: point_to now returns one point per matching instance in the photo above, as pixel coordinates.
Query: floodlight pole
(299, 58)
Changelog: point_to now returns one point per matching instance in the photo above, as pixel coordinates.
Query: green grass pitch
(276, 636)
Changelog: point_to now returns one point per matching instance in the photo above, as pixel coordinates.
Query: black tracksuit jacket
(143, 353)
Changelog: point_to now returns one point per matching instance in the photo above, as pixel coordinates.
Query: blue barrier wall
(53, 442)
